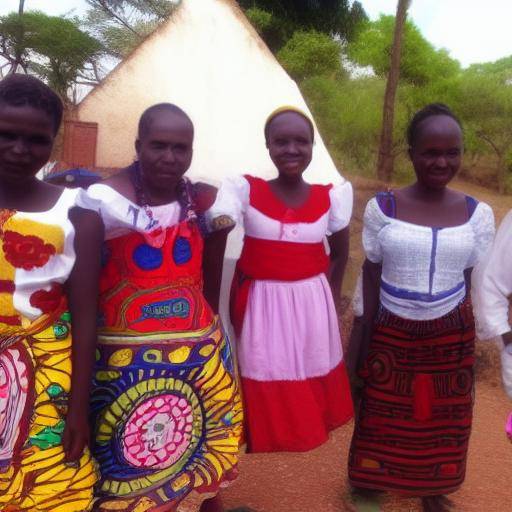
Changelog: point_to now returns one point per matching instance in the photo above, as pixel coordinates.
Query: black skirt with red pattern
(414, 422)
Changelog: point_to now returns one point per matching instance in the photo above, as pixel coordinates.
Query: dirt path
(316, 481)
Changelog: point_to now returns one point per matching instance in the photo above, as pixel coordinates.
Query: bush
(273, 29)
(349, 115)
(309, 54)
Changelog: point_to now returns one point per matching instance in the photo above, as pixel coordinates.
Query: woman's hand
(507, 338)
(339, 247)
(82, 292)
(76, 433)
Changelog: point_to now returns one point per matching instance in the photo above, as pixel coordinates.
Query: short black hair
(147, 116)
(18, 90)
(433, 109)
(292, 111)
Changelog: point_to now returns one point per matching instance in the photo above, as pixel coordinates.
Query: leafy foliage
(278, 20)
(274, 30)
(420, 62)
(486, 106)
(54, 48)
(501, 69)
(121, 25)
(349, 115)
(348, 110)
(309, 54)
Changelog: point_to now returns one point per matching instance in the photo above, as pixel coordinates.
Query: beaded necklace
(155, 235)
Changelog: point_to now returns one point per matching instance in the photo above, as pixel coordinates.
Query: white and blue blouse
(423, 267)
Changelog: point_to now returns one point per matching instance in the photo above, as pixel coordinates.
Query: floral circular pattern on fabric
(26, 251)
(13, 398)
(158, 432)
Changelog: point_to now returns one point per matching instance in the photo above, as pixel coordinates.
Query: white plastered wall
(211, 62)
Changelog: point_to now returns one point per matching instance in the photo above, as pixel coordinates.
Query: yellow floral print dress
(36, 258)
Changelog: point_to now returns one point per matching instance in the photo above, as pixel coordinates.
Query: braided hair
(187, 195)
(19, 90)
(433, 109)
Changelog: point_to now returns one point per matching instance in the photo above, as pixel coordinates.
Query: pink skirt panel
(290, 331)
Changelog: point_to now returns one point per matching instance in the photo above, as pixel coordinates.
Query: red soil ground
(317, 481)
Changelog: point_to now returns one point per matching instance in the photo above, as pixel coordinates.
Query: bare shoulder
(51, 188)
(402, 192)
(49, 193)
(122, 183)
(205, 195)
(456, 196)
(205, 188)
(88, 226)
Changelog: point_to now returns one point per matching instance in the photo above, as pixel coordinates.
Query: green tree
(348, 114)
(420, 62)
(309, 54)
(277, 20)
(121, 25)
(481, 96)
(54, 48)
(486, 108)
(500, 69)
(273, 29)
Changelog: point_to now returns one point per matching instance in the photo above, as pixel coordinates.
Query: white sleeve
(492, 285)
(373, 222)
(484, 229)
(86, 200)
(342, 200)
(232, 200)
(119, 215)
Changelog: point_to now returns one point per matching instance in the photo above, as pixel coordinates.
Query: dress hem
(295, 416)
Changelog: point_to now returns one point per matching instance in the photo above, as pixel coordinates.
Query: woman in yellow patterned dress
(49, 269)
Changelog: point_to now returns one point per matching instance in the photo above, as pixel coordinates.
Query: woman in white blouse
(421, 243)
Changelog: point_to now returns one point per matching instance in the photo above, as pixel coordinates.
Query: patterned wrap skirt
(168, 417)
(414, 421)
(35, 382)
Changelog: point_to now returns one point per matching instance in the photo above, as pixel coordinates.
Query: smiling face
(290, 144)
(26, 142)
(436, 153)
(164, 149)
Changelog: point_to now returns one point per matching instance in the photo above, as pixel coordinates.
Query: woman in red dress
(294, 380)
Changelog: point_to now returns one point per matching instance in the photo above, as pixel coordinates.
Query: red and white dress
(294, 381)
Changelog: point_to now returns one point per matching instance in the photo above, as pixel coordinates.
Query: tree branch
(487, 139)
(94, 70)
(156, 10)
(103, 5)
(92, 83)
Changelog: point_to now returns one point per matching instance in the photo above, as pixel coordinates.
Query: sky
(52, 7)
(471, 30)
